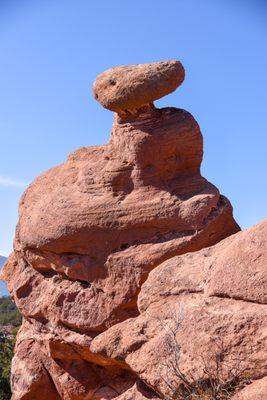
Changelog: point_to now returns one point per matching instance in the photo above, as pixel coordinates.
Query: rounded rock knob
(130, 87)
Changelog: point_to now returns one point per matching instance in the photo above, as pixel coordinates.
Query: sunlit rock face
(130, 87)
(99, 255)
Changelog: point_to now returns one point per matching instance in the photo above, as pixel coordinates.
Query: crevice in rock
(181, 291)
(51, 380)
(89, 332)
(236, 298)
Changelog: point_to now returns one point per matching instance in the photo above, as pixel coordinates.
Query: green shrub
(6, 354)
(10, 319)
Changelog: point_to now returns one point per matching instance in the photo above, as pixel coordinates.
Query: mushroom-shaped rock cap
(129, 87)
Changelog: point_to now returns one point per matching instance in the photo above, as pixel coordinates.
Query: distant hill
(3, 288)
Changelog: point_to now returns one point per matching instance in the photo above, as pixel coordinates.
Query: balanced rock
(130, 87)
(98, 234)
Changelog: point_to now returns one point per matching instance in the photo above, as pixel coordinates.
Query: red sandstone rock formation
(98, 266)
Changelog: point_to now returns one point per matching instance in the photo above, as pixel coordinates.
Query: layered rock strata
(98, 255)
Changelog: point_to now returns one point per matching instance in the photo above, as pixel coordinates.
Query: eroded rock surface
(214, 300)
(130, 87)
(255, 391)
(100, 258)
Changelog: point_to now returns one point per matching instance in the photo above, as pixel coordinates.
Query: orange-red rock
(257, 390)
(130, 87)
(179, 296)
(99, 261)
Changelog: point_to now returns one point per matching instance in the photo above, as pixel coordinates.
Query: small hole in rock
(124, 246)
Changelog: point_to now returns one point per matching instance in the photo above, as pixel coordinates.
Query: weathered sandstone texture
(130, 87)
(123, 244)
(256, 391)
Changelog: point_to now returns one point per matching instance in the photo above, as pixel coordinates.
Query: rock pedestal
(99, 254)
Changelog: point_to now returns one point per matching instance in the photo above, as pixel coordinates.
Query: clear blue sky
(52, 50)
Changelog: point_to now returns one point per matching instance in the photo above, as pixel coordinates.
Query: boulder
(203, 315)
(130, 87)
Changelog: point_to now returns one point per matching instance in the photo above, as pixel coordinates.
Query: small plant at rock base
(223, 374)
